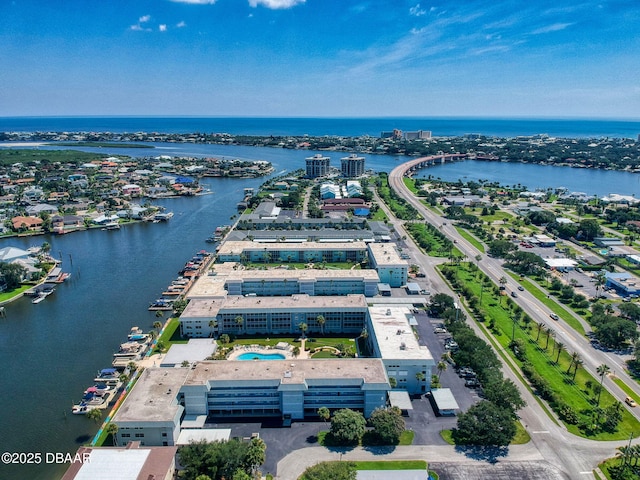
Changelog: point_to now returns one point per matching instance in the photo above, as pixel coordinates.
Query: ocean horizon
(338, 126)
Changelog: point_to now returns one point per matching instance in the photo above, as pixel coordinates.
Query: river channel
(50, 352)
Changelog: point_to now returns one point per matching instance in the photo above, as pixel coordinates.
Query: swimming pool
(260, 356)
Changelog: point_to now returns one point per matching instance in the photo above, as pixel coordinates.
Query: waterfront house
(131, 189)
(36, 210)
(26, 223)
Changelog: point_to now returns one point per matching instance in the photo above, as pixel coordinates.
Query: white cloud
(139, 28)
(556, 27)
(181, 24)
(144, 18)
(417, 11)
(196, 2)
(162, 27)
(276, 4)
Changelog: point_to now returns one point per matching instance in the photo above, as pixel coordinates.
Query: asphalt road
(574, 456)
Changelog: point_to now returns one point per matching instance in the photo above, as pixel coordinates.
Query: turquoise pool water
(261, 356)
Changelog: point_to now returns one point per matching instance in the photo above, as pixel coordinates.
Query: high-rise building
(317, 166)
(352, 166)
(418, 135)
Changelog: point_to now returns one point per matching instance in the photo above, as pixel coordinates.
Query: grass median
(570, 390)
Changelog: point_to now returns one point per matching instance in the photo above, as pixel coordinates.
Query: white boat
(136, 333)
(81, 409)
(39, 298)
(163, 216)
(42, 295)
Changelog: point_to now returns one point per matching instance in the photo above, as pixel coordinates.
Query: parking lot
(423, 420)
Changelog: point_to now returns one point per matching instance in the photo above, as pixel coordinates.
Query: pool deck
(241, 349)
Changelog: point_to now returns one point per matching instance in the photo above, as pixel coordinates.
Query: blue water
(261, 356)
(440, 126)
(51, 351)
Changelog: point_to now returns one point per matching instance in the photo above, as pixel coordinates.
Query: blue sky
(320, 58)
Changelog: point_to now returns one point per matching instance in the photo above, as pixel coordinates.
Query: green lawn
(379, 216)
(550, 303)
(410, 183)
(471, 239)
(171, 334)
(392, 465)
(521, 437)
(406, 438)
(626, 389)
(541, 354)
(4, 296)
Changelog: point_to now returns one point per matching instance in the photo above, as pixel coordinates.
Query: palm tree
(602, 371)
(159, 314)
(295, 351)
(112, 429)
(624, 453)
(549, 331)
(324, 414)
(364, 333)
(303, 328)
(213, 324)
(600, 281)
(95, 414)
(560, 348)
(574, 356)
(441, 367)
(540, 327)
(576, 365)
(239, 322)
(321, 321)
(157, 325)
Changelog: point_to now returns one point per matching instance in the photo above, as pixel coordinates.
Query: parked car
(440, 330)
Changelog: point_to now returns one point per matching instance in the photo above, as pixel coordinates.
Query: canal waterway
(51, 351)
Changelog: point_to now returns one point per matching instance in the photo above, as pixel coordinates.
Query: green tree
(589, 229)
(256, 454)
(505, 394)
(239, 322)
(347, 426)
(325, 414)
(484, 424)
(321, 321)
(12, 274)
(331, 471)
(441, 367)
(303, 328)
(95, 414)
(112, 429)
(602, 371)
(387, 424)
(216, 459)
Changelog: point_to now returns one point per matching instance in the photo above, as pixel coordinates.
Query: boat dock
(193, 269)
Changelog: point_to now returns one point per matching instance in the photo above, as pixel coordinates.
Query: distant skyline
(320, 58)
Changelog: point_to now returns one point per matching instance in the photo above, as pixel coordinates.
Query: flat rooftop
(237, 247)
(386, 254)
(277, 274)
(153, 397)
(371, 370)
(394, 335)
(210, 307)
